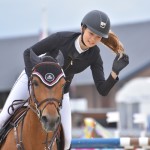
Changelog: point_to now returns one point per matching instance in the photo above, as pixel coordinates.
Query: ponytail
(113, 43)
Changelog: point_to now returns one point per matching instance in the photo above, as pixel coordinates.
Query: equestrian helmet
(98, 22)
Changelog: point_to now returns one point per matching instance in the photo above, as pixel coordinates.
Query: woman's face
(90, 39)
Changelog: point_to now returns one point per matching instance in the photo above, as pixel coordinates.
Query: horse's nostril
(50, 120)
(44, 119)
(50, 123)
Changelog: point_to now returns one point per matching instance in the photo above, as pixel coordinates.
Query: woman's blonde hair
(113, 43)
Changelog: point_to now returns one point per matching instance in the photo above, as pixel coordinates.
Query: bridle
(53, 101)
(57, 103)
(35, 107)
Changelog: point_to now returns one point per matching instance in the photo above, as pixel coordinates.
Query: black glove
(120, 63)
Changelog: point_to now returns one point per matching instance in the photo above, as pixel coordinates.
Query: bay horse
(41, 125)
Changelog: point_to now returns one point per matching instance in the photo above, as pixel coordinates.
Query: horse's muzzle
(50, 123)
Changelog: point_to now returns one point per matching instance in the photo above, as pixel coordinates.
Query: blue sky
(23, 17)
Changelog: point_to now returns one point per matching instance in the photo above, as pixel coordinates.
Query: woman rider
(74, 51)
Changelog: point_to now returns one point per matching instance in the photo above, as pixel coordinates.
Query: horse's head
(47, 83)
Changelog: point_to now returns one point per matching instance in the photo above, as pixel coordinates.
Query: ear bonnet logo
(49, 77)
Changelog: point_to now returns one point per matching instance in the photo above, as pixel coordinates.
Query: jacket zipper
(70, 64)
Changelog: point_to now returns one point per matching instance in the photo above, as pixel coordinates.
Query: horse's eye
(63, 86)
(35, 83)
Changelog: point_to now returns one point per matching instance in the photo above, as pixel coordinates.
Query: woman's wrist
(114, 75)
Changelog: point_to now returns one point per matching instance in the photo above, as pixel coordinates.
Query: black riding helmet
(98, 22)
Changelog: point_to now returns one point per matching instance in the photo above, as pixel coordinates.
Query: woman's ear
(83, 27)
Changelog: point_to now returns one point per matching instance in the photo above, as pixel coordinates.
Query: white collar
(77, 46)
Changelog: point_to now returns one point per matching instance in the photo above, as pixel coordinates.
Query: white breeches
(20, 92)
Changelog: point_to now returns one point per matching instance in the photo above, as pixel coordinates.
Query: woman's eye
(91, 33)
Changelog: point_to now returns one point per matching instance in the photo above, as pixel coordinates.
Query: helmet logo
(102, 24)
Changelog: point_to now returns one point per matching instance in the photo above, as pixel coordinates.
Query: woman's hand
(120, 62)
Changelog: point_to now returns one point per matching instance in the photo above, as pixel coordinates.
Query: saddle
(13, 121)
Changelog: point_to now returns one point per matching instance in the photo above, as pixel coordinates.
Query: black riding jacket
(61, 45)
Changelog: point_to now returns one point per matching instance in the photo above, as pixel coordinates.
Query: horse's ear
(34, 59)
